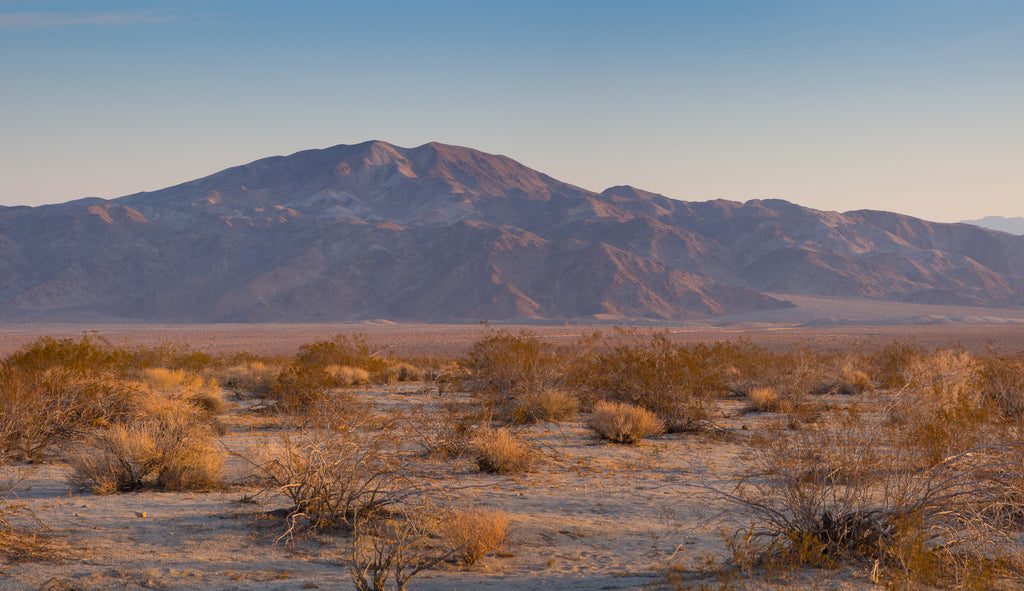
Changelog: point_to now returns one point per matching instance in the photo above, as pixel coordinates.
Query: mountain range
(1013, 225)
(446, 233)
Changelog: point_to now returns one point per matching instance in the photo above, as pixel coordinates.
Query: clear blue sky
(911, 106)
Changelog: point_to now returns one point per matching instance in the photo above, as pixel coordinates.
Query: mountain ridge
(441, 233)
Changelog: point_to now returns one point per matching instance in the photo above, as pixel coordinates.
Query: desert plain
(662, 512)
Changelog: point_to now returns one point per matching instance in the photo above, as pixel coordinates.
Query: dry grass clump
(474, 533)
(169, 454)
(547, 404)
(766, 399)
(400, 372)
(500, 451)
(620, 422)
(345, 375)
(192, 388)
(854, 381)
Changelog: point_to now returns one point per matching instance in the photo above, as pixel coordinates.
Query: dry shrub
(942, 410)
(45, 409)
(169, 454)
(390, 548)
(252, 376)
(20, 539)
(798, 373)
(889, 364)
(502, 365)
(500, 451)
(547, 404)
(837, 491)
(442, 431)
(1001, 379)
(333, 479)
(676, 382)
(298, 387)
(342, 350)
(620, 422)
(474, 533)
(323, 366)
(84, 357)
(339, 412)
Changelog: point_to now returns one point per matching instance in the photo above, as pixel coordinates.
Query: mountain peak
(441, 232)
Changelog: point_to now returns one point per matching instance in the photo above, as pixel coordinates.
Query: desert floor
(592, 515)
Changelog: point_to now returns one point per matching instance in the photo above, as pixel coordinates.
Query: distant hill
(995, 222)
(441, 232)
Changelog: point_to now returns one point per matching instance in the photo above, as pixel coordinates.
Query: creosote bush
(42, 410)
(620, 422)
(942, 410)
(444, 431)
(503, 365)
(676, 382)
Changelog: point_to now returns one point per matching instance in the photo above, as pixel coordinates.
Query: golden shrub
(621, 422)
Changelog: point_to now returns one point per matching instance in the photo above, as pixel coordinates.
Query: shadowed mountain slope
(441, 232)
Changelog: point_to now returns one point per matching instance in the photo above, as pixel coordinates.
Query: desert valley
(374, 367)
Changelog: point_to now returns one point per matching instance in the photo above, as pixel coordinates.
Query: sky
(908, 106)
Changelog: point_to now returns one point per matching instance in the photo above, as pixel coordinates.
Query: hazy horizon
(902, 106)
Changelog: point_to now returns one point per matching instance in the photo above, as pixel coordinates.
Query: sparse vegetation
(903, 463)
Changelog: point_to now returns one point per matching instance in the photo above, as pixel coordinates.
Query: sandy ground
(593, 515)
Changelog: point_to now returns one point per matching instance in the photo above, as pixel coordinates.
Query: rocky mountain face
(441, 232)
